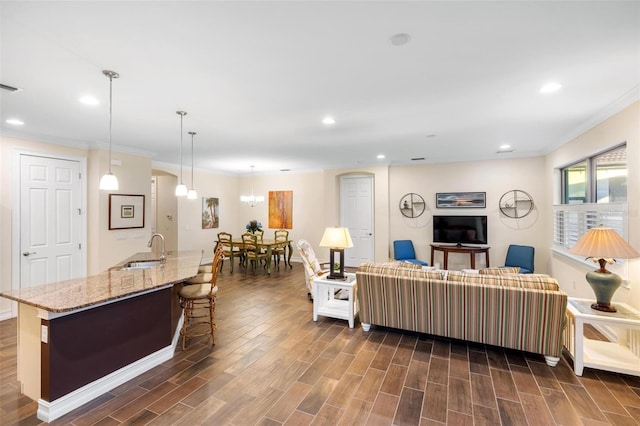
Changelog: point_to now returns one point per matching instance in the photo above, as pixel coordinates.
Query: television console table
(472, 251)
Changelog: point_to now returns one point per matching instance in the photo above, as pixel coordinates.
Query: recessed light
(400, 39)
(15, 121)
(328, 121)
(88, 100)
(505, 146)
(550, 87)
(380, 156)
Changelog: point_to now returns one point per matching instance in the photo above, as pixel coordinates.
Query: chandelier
(252, 200)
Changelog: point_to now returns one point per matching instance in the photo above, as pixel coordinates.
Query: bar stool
(198, 296)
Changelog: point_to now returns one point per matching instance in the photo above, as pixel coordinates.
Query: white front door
(356, 213)
(50, 220)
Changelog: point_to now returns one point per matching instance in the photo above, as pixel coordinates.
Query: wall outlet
(626, 284)
(44, 334)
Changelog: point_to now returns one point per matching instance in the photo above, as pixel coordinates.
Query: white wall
(104, 247)
(308, 219)
(108, 247)
(493, 177)
(316, 203)
(330, 206)
(167, 211)
(624, 126)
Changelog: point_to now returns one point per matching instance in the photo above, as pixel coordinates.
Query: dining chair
(280, 235)
(229, 252)
(252, 252)
(198, 301)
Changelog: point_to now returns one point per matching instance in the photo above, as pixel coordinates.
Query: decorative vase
(604, 284)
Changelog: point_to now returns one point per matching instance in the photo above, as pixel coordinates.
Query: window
(594, 193)
(598, 179)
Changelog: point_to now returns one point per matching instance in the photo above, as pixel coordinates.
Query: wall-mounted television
(460, 229)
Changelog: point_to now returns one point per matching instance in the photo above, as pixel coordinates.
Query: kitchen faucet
(162, 256)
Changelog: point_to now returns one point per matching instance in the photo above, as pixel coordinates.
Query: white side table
(326, 304)
(621, 357)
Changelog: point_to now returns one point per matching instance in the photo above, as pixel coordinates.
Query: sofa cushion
(535, 281)
(400, 269)
(500, 270)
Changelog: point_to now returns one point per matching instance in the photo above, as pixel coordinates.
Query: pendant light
(109, 182)
(192, 194)
(181, 189)
(252, 200)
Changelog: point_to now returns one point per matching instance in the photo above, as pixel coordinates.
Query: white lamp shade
(109, 182)
(181, 190)
(192, 194)
(336, 237)
(604, 243)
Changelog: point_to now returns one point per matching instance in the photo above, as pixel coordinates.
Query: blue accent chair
(403, 251)
(521, 256)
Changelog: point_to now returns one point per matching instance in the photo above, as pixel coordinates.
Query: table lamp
(337, 239)
(603, 245)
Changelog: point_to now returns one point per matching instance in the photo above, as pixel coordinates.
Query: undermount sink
(140, 264)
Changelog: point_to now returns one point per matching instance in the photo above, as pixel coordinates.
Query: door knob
(28, 253)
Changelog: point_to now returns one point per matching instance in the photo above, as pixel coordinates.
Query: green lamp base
(604, 284)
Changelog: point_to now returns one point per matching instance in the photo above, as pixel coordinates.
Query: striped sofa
(517, 311)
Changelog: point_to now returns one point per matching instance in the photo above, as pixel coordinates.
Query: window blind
(572, 221)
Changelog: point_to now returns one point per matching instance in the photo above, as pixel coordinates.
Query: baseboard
(49, 411)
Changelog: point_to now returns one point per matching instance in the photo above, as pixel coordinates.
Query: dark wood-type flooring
(272, 364)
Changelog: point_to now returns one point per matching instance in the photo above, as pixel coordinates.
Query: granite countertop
(109, 285)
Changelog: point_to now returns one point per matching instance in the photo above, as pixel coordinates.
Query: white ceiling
(256, 78)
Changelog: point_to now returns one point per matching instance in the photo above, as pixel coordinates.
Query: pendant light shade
(181, 189)
(109, 182)
(252, 200)
(192, 194)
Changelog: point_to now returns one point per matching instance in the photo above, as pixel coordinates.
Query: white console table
(326, 304)
(621, 357)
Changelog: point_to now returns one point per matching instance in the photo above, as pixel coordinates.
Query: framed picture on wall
(449, 200)
(210, 213)
(126, 211)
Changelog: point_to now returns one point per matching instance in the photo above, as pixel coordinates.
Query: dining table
(268, 244)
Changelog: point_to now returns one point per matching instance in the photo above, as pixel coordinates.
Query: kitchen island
(80, 338)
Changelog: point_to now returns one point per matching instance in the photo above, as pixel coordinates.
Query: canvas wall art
(281, 209)
(446, 200)
(210, 213)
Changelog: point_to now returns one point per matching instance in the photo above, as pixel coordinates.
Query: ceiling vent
(9, 88)
(504, 151)
(417, 159)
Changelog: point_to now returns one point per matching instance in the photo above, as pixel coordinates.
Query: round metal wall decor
(516, 204)
(412, 205)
